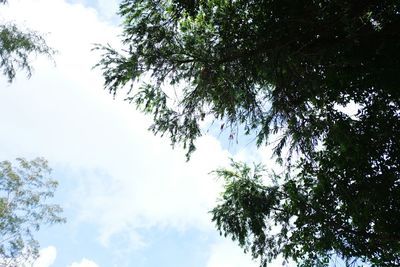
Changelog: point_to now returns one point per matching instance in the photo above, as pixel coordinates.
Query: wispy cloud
(84, 263)
(125, 177)
(47, 256)
(227, 254)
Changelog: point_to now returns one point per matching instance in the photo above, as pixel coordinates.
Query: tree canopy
(16, 46)
(281, 68)
(24, 193)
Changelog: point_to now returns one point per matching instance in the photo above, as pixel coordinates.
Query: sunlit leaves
(25, 189)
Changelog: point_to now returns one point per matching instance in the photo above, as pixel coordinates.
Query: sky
(130, 199)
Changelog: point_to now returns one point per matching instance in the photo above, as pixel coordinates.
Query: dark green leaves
(185, 50)
(245, 207)
(286, 69)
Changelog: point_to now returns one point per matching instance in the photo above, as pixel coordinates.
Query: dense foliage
(24, 193)
(287, 69)
(16, 46)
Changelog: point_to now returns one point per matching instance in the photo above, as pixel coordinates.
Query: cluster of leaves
(311, 218)
(24, 193)
(16, 46)
(283, 67)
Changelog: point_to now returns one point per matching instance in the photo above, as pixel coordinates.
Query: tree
(282, 69)
(16, 46)
(24, 193)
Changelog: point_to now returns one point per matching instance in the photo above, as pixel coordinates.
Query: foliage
(24, 193)
(16, 46)
(281, 68)
(308, 218)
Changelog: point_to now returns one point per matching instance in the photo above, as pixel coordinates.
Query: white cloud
(84, 263)
(350, 109)
(47, 256)
(126, 178)
(227, 254)
(161, 190)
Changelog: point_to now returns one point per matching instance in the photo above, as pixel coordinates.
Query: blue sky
(129, 198)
